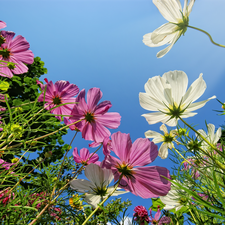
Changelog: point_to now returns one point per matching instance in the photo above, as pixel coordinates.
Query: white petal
(198, 105)
(164, 129)
(217, 135)
(95, 174)
(163, 52)
(92, 199)
(196, 90)
(157, 137)
(81, 185)
(150, 103)
(163, 151)
(166, 30)
(178, 81)
(169, 9)
(147, 40)
(117, 192)
(190, 6)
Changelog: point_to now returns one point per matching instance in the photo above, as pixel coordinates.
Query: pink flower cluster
(141, 216)
(5, 197)
(15, 51)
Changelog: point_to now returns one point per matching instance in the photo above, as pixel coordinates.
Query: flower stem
(193, 216)
(223, 46)
(109, 195)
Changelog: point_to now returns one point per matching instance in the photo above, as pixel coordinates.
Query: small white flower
(170, 32)
(212, 137)
(169, 98)
(174, 199)
(167, 140)
(97, 188)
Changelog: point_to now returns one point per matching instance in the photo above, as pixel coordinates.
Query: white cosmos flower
(175, 198)
(97, 188)
(169, 98)
(170, 32)
(212, 137)
(167, 140)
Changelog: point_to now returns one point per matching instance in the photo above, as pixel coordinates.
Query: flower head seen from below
(167, 140)
(97, 188)
(175, 199)
(56, 94)
(212, 136)
(15, 51)
(139, 179)
(157, 219)
(85, 157)
(169, 32)
(95, 117)
(169, 98)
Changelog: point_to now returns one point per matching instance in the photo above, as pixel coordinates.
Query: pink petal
(103, 107)
(93, 97)
(110, 120)
(143, 152)
(121, 145)
(19, 44)
(2, 24)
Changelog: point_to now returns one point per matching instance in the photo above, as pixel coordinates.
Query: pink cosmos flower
(15, 51)
(142, 180)
(59, 93)
(141, 215)
(157, 220)
(5, 196)
(84, 156)
(95, 117)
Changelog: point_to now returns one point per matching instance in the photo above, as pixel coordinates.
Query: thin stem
(36, 139)
(53, 191)
(223, 46)
(62, 189)
(109, 195)
(193, 216)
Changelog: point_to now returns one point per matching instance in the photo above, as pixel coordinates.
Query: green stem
(109, 195)
(193, 216)
(223, 46)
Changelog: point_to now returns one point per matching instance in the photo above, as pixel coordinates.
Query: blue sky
(98, 43)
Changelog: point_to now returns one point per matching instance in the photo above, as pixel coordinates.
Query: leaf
(4, 85)
(155, 203)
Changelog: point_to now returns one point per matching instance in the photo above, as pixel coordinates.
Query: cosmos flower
(56, 94)
(95, 117)
(97, 188)
(169, 98)
(166, 139)
(157, 219)
(212, 136)
(15, 51)
(84, 156)
(139, 179)
(175, 199)
(170, 32)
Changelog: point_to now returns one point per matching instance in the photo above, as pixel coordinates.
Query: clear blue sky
(98, 43)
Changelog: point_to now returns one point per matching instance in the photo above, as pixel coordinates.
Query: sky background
(98, 43)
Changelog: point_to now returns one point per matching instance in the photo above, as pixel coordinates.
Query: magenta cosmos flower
(84, 157)
(15, 51)
(142, 180)
(59, 93)
(157, 219)
(95, 117)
